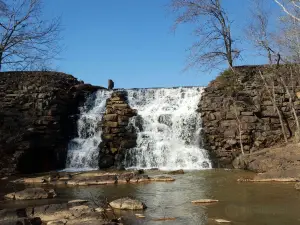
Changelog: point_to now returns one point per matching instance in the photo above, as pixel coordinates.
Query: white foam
(83, 150)
(169, 135)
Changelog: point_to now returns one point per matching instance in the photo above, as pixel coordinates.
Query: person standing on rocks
(111, 84)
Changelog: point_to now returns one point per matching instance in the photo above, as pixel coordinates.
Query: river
(242, 203)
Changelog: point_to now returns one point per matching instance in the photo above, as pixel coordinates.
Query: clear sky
(130, 41)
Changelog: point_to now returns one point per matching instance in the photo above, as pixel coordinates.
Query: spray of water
(83, 150)
(168, 128)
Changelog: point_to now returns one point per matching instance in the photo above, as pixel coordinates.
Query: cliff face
(38, 114)
(246, 115)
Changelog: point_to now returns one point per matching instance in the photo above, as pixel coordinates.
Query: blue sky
(130, 41)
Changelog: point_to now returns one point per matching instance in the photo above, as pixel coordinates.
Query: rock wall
(38, 114)
(247, 114)
(117, 136)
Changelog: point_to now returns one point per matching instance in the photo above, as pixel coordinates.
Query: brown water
(241, 203)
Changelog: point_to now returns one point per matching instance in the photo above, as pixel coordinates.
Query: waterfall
(168, 127)
(83, 150)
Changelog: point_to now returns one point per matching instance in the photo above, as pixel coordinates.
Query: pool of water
(241, 203)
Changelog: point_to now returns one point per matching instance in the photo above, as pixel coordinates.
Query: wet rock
(33, 180)
(127, 203)
(222, 221)
(31, 193)
(106, 161)
(164, 219)
(297, 186)
(140, 216)
(200, 201)
(268, 180)
(205, 165)
(175, 172)
(58, 222)
(22, 221)
(165, 119)
(77, 202)
(162, 179)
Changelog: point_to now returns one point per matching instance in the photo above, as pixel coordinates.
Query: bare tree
(290, 7)
(26, 41)
(215, 44)
(259, 29)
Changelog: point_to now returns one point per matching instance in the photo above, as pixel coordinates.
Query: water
(83, 150)
(241, 203)
(168, 129)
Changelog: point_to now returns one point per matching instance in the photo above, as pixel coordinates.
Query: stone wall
(117, 136)
(249, 110)
(38, 114)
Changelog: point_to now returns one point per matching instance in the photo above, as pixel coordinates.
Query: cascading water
(168, 128)
(83, 150)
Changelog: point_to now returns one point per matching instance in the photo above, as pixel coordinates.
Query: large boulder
(31, 193)
(127, 204)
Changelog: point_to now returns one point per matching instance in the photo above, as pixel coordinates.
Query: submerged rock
(127, 203)
(176, 172)
(31, 193)
(162, 179)
(205, 201)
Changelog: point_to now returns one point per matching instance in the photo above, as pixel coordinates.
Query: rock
(4, 178)
(176, 172)
(106, 161)
(165, 119)
(12, 214)
(31, 193)
(140, 216)
(297, 186)
(58, 222)
(117, 134)
(22, 221)
(222, 221)
(127, 203)
(77, 201)
(32, 180)
(200, 201)
(38, 113)
(99, 209)
(162, 178)
(164, 219)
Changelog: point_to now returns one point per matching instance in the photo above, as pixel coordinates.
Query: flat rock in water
(162, 178)
(297, 186)
(164, 219)
(222, 221)
(77, 201)
(175, 172)
(205, 201)
(127, 203)
(140, 216)
(58, 222)
(31, 193)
